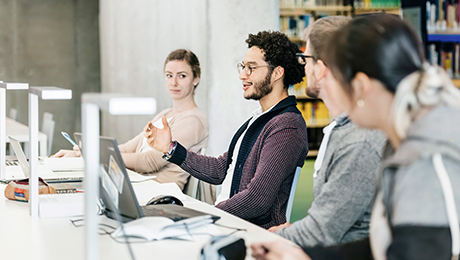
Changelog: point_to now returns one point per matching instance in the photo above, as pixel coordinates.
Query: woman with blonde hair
(188, 124)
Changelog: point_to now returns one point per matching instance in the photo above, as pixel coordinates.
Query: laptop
(18, 170)
(117, 193)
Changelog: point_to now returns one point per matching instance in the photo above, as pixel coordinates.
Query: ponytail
(428, 87)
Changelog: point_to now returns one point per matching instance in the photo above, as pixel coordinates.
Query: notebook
(117, 193)
(17, 170)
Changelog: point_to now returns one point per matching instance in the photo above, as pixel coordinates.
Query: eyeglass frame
(303, 58)
(245, 68)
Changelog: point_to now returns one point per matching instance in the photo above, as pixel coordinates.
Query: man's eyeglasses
(248, 68)
(302, 58)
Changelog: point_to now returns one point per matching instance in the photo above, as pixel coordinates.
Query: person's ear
(361, 84)
(320, 70)
(277, 73)
(196, 81)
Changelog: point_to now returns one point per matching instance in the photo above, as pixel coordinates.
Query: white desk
(21, 132)
(57, 238)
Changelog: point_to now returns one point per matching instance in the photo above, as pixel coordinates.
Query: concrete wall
(137, 35)
(50, 43)
(230, 22)
(56, 43)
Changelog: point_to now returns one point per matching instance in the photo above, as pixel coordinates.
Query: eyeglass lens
(241, 66)
(302, 60)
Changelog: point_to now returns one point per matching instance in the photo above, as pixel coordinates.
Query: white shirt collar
(258, 112)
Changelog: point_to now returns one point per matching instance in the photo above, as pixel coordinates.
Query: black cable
(236, 229)
(151, 179)
(103, 231)
(173, 238)
(120, 221)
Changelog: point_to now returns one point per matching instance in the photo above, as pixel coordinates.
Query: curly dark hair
(279, 51)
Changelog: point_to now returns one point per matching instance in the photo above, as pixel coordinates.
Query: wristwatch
(172, 148)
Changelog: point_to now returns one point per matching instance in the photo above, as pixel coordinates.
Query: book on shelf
(315, 113)
(293, 26)
(456, 60)
(311, 3)
(445, 55)
(375, 4)
(442, 16)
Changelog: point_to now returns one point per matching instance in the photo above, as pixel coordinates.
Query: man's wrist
(171, 147)
(170, 152)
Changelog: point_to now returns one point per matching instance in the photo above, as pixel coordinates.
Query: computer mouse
(165, 199)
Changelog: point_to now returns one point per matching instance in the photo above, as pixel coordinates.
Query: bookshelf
(443, 37)
(292, 11)
(315, 114)
(440, 31)
(295, 16)
(363, 10)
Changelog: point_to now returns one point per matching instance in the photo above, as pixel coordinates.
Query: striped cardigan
(267, 172)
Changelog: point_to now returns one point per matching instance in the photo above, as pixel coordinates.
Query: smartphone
(66, 136)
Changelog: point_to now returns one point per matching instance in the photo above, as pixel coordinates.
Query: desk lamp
(115, 104)
(3, 87)
(45, 93)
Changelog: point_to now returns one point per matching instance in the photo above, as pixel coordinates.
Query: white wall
(137, 35)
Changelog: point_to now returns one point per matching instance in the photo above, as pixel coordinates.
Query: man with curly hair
(257, 171)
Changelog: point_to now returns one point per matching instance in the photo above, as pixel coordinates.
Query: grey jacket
(411, 191)
(343, 189)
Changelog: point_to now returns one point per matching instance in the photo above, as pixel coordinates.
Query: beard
(312, 90)
(262, 88)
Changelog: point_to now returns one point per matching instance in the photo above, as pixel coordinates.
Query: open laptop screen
(20, 155)
(116, 190)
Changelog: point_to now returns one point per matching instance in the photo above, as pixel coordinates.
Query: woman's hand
(68, 153)
(278, 249)
(158, 139)
(273, 229)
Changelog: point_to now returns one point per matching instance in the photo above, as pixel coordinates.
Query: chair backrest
(191, 188)
(13, 114)
(47, 116)
(292, 194)
(47, 128)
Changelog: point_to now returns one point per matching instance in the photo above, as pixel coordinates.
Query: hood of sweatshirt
(438, 131)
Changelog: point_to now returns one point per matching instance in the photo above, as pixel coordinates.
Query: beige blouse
(190, 128)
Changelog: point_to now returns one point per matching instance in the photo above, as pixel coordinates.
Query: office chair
(13, 114)
(292, 194)
(47, 127)
(200, 190)
(191, 187)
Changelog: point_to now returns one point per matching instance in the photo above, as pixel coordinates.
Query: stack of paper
(61, 205)
(65, 164)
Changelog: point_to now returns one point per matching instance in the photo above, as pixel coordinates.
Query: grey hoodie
(343, 189)
(411, 191)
